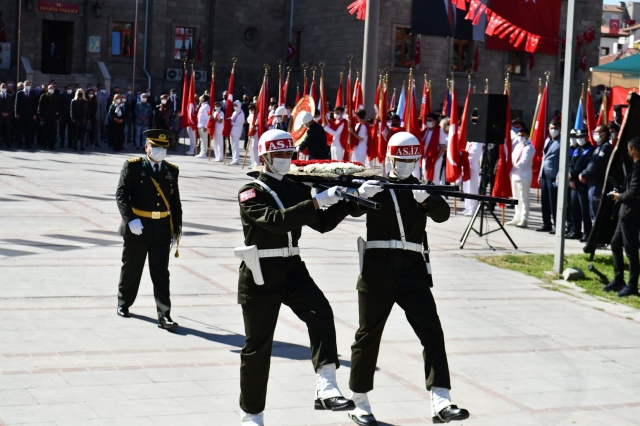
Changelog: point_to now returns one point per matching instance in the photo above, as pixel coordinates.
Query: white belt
(280, 252)
(395, 244)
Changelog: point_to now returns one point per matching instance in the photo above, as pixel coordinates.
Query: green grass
(536, 265)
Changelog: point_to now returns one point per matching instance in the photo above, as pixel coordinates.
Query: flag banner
(184, 108)
(453, 168)
(579, 124)
(226, 131)
(502, 184)
(539, 136)
(591, 117)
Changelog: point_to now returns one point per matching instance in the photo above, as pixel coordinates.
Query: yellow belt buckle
(155, 215)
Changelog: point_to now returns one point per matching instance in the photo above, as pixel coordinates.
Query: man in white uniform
(521, 177)
(218, 139)
(361, 132)
(336, 129)
(237, 125)
(473, 184)
(203, 119)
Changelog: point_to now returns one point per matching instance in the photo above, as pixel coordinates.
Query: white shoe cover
(247, 419)
(326, 384)
(440, 399)
(363, 408)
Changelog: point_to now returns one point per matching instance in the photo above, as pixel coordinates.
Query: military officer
(273, 210)
(149, 202)
(395, 268)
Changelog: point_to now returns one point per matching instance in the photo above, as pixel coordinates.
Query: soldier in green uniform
(273, 210)
(395, 268)
(149, 202)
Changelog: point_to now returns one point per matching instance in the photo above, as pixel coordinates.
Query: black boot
(364, 420)
(450, 413)
(337, 403)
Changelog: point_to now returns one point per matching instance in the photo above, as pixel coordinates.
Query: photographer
(626, 234)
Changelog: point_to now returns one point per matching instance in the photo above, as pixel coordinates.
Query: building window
(183, 39)
(518, 63)
(604, 51)
(296, 41)
(122, 39)
(461, 60)
(404, 49)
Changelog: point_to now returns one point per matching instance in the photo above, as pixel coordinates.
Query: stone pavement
(519, 354)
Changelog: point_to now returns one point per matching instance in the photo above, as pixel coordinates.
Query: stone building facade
(257, 33)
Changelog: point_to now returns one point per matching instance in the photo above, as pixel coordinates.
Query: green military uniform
(138, 198)
(286, 279)
(399, 276)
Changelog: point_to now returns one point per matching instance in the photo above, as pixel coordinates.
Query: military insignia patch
(247, 195)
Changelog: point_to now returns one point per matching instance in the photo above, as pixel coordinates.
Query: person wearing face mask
(79, 117)
(314, 140)
(102, 113)
(237, 124)
(252, 144)
(162, 115)
(7, 106)
(26, 110)
(547, 178)
(218, 125)
(338, 129)
(614, 131)
(521, 174)
(594, 174)
(579, 208)
(273, 210)
(148, 199)
(280, 119)
(360, 133)
(395, 269)
(143, 112)
(203, 119)
(49, 112)
(116, 123)
(92, 124)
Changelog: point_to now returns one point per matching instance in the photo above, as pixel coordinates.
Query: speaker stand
(480, 211)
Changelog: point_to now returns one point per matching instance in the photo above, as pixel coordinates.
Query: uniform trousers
(580, 215)
(255, 155)
(154, 241)
(308, 302)
(626, 236)
(548, 199)
(235, 145)
(520, 189)
(192, 139)
(359, 154)
(218, 145)
(204, 139)
(594, 193)
(473, 184)
(439, 177)
(337, 151)
(420, 309)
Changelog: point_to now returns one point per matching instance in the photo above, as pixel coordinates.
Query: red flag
(423, 105)
(604, 110)
(539, 136)
(591, 117)
(184, 108)
(473, 8)
(212, 94)
(291, 52)
(349, 111)
(312, 91)
(262, 109)
(376, 101)
(193, 118)
(532, 42)
(199, 50)
(305, 88)
(454, 169)
(323, 100)
(392, 104)
(417, 57)
(297, 93)
(476, 60)
(614, 27)
(460, 4)
(285, 90)
(279, 85)
(583, 60)
(462, 133)
(228, 109)
(339, 96)
(359, 8)
(502, 184)
(411, 114)
(358, 102)
(382, 141)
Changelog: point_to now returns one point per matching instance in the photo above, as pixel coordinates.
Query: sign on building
(58, 7)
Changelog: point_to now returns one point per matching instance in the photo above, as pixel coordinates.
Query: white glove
(420, 195)
(136, 226)
(328, 198)
(369, 189)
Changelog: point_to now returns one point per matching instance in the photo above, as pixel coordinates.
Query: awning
(623, 72)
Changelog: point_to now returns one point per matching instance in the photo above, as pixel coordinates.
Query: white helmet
(302, 119)
(275, 141)
(405, 146)
(281, 111)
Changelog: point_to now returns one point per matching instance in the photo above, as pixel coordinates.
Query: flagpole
(135, 44)
(370, 52)
(567, 92)
(212, 95)
(184, 95)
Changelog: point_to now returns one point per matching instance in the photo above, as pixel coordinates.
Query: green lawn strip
(535, 265)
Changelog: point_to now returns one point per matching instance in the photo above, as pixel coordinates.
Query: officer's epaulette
(134, 160)
(171, 165)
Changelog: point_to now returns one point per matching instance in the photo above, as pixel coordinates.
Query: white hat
(237, 102)
(405, 146)
(301, 120)
(275, 141)
(281, 111)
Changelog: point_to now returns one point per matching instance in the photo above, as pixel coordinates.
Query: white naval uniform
(237, 126)
(191, 132)
(521, 175)
(337, 151)
(203, 119)
(218, 139)
(473, 184)
(360, 152)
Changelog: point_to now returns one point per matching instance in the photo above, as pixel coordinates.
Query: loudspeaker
(486, 122)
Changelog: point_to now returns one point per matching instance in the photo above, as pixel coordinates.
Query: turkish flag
(583, 60)
(540, 17)
(226, 130)
(502, 184)
(614, 26)
(291, 52)
(454, 167)
(539, 135)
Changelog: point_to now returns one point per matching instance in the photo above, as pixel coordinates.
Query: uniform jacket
(315, 141)
(266, 226)
(597, 167)
(630, 199)
(551, 158)
(7, 104)
(135, 189)
(392, 267)
(580, 157)
(65, 105)
(79, 109)
(523, 161)
(26, 105)
(49, 107)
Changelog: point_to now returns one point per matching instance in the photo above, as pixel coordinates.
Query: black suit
(49, 113)
(315, 141)
(65, 118)
(137, 190)
(79, 117)
(26, 110)
(7, 105)
(626, 234)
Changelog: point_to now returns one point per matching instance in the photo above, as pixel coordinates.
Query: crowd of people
(49, 117)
